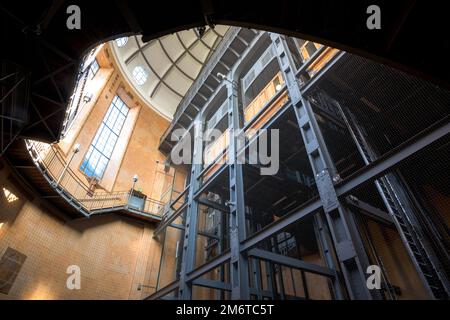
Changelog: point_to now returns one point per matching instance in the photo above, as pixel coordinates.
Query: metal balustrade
(72, 188)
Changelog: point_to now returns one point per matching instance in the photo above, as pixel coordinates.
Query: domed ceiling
(162, 70)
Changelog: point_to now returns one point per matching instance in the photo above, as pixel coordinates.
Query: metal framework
(333, 209)
(71, 188)
(251, 256)
(335, 196)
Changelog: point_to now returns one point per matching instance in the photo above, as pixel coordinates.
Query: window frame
(102, 147)
(140, 76)
(121, 42)
(94, 68)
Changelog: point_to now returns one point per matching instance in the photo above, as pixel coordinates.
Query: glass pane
(105, 140)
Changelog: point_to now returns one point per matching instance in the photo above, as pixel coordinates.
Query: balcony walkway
(44, 171)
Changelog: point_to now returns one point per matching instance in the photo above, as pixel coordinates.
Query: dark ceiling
(46, 54)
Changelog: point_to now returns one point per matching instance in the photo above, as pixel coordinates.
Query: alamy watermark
(255, 147)
(73, 21)
(374, 279)
(73, 281)
(374, 20)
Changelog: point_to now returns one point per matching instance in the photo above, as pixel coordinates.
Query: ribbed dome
(162, 70)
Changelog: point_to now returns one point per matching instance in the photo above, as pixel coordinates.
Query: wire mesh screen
(412, 249)
(385, 105)
(365, 110)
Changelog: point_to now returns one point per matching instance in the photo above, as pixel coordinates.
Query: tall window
(94, 67)
(121, 41)
(105, 140)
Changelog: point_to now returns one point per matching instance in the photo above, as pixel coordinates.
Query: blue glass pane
(102, 147)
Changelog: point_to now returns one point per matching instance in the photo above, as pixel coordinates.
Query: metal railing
(51, 163)
(172, 199)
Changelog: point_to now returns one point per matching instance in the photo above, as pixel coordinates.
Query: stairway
(411, 238)
(69, 197)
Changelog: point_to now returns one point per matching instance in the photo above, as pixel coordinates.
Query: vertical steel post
(239, 261)
(190, 231)
(351, 254)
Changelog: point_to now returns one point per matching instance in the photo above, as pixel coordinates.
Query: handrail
(65, 181)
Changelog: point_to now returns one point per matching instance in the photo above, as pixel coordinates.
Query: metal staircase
(50, 178)
(411, 236)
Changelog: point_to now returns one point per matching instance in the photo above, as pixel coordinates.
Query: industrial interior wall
(136, 151)
(114, 254)
(398, 266)
(386, 249)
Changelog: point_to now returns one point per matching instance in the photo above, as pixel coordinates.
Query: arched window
(121, 41)
(140, 75)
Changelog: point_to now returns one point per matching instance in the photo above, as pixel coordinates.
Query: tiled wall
(115, 254)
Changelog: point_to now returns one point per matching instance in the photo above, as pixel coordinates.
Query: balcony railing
(80, 195)
(308, 48)
(172, 199)
(321, 61)
(216, 148)
(314, 56)
(271, 98)
(215, 154)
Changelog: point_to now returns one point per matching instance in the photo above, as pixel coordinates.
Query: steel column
(349, 247)
(239, 263)
(190, 232)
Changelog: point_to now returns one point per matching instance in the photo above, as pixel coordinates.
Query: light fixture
(135, 179)
(10, 197)
(201, 31)
(278, 87)
(76, 148)
(87, 97)
(221, 76)
(224, 77)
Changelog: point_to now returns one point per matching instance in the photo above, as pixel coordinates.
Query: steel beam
(165, 223)
(210, 180)
(291, 262)
(191, 225)
(214, 205)
(296, 216)
(318, 76)
(353, 259)
(239, 262)
(212, 264)
(370, 211)
(394, 157)
(164, 291)
(213, 284)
